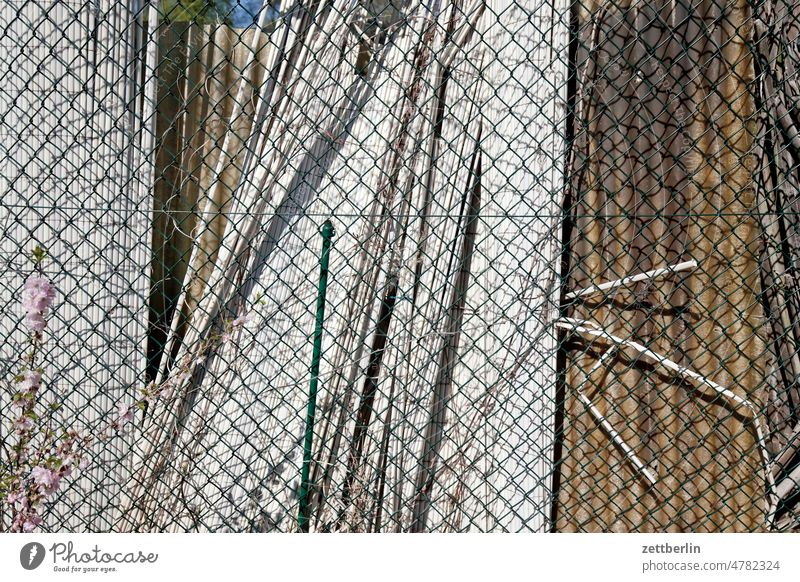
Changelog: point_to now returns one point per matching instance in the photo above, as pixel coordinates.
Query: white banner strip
(402, 557)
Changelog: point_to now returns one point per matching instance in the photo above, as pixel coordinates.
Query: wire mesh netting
(459, 265)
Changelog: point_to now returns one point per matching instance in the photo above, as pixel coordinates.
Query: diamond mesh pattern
(561, 292)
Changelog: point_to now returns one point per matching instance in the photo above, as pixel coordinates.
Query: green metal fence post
(327, 237)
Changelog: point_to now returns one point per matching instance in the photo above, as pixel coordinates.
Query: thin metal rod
(648, 275)
(327, 237)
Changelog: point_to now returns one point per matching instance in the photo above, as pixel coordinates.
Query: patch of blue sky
(245, 13)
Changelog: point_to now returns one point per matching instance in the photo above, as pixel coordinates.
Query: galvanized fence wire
(461, 265)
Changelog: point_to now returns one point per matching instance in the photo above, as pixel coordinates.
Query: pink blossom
(31, 381)
(47, 479)
(35, 321)
(165, 392)
(22, 424)
(16, 499)
(125, 415)
(32, 521)
(18, 404)
(66, 469)
(37, 296)
(167, 389)
(83, 464)
(240, 321)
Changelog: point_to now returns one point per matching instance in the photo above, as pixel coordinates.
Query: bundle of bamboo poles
(776, 30)
(436, 392)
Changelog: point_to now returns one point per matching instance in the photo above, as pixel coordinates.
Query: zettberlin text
(671, 549)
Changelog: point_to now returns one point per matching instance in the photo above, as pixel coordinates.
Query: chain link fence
(459, 265)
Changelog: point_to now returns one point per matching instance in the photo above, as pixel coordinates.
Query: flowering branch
(36, 458)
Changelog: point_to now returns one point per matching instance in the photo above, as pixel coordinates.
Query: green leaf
(38, 254)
